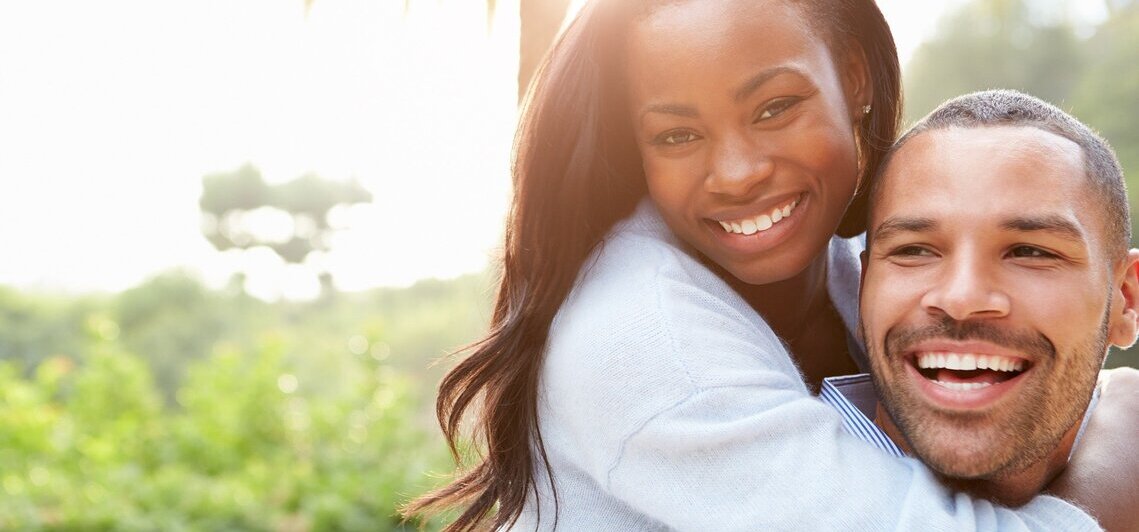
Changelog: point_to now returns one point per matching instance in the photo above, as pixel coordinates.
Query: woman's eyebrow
(686, 111)
(762, 77)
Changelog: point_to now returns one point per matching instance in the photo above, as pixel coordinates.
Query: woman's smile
(759, 223)
(753, 233)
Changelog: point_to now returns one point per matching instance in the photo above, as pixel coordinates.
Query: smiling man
(997, 274)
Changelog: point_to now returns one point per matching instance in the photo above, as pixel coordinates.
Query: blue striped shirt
(854, 398)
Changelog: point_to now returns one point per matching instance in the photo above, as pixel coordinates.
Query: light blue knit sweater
(666, 403)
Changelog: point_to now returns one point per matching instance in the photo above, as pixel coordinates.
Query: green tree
(994, 44)
(231, 201)
(1107, 95)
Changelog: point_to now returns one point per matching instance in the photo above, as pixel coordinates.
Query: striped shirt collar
(854, 398)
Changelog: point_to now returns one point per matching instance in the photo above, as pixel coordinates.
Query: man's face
(988, 296)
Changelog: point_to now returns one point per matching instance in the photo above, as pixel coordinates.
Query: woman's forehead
(700, 43)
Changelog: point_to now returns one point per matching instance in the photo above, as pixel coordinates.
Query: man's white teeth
(763, 222)
(962, 386)
(969, 361)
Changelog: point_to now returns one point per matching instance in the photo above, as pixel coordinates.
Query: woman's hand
(1103, 474)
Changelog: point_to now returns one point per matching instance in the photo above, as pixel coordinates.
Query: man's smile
(967, 371)
(969, 375)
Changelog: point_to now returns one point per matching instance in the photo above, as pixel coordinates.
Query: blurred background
(237, 235)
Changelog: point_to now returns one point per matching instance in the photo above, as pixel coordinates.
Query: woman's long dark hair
(576, 172)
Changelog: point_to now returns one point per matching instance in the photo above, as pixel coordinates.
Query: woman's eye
(673, 138)
(776, 108)
(1030, 252)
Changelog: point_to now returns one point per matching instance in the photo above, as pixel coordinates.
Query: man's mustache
(901, 339)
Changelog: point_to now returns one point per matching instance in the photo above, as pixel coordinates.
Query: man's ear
(1124, 320)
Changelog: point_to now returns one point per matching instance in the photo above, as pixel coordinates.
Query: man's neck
(1007, 488)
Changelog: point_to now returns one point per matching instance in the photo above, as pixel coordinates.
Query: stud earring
(866, 109)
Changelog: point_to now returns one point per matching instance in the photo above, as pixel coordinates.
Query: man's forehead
(965, 170)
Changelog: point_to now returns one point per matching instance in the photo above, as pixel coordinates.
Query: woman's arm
(1103, 474)
(670, 394)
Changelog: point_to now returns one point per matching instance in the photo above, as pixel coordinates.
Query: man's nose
(967, 289)
(737, 165)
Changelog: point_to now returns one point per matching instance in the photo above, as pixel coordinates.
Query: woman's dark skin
(1096, 476)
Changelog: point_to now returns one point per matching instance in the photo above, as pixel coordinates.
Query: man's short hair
(994, 108)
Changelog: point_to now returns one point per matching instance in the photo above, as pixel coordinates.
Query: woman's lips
(761, 222)
(748, 241)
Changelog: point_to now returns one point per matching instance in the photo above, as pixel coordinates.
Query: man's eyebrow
(764, 76)
(903, 224)
(1049, 223)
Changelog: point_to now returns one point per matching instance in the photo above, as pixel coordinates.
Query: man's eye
(1030, 252)
(674, 138)
(911, 251)
(776, 108)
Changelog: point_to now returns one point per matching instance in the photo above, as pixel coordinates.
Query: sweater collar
(844, 268)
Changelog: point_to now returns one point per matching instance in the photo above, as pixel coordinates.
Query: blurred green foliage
(301, 208)
(174, 407)
(1035, 48)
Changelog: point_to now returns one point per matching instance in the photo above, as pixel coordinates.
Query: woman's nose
(736, 167)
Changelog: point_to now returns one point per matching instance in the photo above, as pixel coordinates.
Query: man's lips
(975, 347)
(965, 375)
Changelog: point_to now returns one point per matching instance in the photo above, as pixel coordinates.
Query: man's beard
(1047, 408)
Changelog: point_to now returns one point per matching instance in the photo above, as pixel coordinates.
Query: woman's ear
(1124, 320)
(856, 83)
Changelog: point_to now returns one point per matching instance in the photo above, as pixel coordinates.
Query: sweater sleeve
(662, 386)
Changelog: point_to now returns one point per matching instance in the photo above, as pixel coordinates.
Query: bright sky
(112, 111)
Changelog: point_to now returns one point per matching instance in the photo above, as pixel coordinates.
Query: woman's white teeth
(963, 386)
(763, 222)
(968, 362)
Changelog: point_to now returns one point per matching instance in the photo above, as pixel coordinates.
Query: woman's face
(746, 128)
